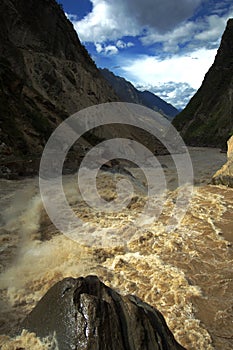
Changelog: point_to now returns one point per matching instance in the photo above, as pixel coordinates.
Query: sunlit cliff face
(186, 274)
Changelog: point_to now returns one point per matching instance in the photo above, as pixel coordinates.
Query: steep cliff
(45, 75)
(128, 93)
(85, 314)
(208, 118)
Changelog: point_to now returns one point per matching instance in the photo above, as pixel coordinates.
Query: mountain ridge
(46, 74)
(128, 93)
(207, 120)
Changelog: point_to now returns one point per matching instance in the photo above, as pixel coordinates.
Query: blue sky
(164, 46)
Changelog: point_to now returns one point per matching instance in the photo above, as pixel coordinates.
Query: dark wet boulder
(85, 314)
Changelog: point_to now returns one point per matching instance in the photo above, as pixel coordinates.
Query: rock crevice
(85, 314)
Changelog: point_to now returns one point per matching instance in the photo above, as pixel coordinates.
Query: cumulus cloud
(99, 47)
(106, 49)
(161, 15)
(167, 22)
(212, 28)
(173, 39)
(182, 38)
(113, 20)
(122, 45)
(178, 94)
(204, 32)
(110, 49)
(174, 79)
(107, 21)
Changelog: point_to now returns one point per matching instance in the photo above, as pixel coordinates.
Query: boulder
(85, 314)
(224, 176)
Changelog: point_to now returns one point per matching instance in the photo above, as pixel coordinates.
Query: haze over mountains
(128, 93)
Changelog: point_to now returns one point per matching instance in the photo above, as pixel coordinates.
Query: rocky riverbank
(224, 176)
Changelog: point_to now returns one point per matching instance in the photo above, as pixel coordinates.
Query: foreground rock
(85, 314)
(224, 176)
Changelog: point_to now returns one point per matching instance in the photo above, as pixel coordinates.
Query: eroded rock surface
(224, 176)
(46, 74)
(86, 314)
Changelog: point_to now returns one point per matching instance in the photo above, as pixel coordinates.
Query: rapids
(186, 273)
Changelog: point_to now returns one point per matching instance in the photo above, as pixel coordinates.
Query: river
(186, 273)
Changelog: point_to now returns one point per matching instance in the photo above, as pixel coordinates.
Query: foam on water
(186, 273)
(28, 340)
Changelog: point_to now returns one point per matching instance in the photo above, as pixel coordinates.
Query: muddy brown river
(186, 273)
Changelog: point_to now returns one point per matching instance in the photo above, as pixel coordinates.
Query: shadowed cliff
(208, 118)
(128, 93)
(46, 75)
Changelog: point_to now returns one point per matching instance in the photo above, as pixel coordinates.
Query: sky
(164, 46)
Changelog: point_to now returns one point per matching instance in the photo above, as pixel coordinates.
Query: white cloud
(99, 48)
(111, 50)
(187, 68)
(171, 39)
(204, 32)
(183, 47)
(122, 45)
(178, 94)
(113, 20)
(152, 21)
(212, 28)
(220, 8)
(174, 79)
(71, 17)
(106, 49)
(107, 21)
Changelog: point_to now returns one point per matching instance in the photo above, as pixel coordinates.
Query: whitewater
(187, 273)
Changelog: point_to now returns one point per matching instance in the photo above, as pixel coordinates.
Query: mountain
(128, 93)
(207, 120)
(46, 75)
(154, 102)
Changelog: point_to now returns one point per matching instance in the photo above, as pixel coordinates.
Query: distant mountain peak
(128, 93)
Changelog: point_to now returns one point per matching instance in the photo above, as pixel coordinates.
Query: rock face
(128, 93)
(224, 176)
(87, 315)
(208, 118)
(45, 75)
